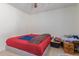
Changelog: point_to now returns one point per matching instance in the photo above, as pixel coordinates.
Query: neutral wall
(55, 22)
(12, 22)
(77, 19)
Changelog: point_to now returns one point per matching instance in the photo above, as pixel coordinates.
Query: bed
(18, 45)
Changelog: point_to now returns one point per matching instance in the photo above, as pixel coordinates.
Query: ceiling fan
(35, 5)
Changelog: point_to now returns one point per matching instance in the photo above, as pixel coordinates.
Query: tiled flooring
(52, 52)
(7, 53)
(57, 52)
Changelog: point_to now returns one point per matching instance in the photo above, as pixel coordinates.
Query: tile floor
(52, 52)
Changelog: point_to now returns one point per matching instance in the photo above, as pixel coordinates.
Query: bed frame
(23, 53)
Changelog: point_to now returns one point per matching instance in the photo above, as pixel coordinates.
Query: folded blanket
(70, 39)
(38, 39)
(26, 37)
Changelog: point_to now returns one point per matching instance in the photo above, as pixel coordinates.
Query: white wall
(12, 22)
(57, 22)
(77, 19)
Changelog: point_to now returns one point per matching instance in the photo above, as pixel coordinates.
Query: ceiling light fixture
(35, 5)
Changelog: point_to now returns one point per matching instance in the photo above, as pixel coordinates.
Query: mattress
(36, 49)
(23, 53)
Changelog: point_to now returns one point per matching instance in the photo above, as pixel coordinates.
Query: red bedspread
(37, 49)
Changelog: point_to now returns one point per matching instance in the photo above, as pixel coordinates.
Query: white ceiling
(28, 7)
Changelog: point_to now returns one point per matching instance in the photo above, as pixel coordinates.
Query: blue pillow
(26, 37)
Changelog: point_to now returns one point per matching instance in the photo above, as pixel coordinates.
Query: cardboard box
(69, 47)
